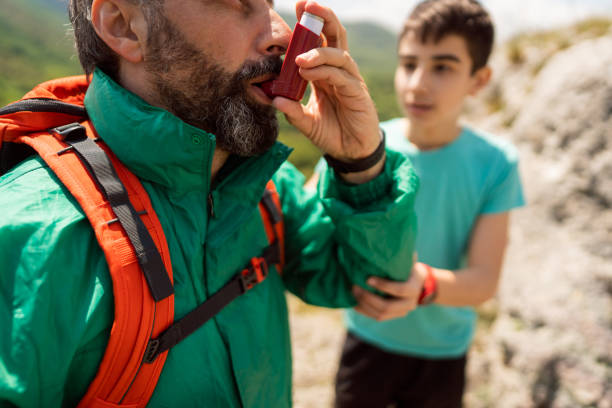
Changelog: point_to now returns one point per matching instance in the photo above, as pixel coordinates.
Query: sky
(510, 16)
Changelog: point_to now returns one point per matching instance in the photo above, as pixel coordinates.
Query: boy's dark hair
(92, 51)
(431, 20)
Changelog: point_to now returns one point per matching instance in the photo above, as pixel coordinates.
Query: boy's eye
(441, 68)
(409, 66)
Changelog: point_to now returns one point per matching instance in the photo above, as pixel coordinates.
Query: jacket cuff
(367, 195)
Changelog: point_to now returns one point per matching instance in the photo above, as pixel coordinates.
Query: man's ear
(480, 79)
(122, 26)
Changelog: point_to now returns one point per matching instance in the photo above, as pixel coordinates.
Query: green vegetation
(495, 100)
(552, 41)
(586, 29)
(35, 46)
(515, 52)
(594, 27)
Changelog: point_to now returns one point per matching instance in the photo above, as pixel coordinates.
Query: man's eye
(409, 66)
(246, 5)
(243, 5)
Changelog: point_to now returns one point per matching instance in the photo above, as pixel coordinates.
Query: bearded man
(172, 89)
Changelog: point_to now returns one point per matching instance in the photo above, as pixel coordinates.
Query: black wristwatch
(361, 164)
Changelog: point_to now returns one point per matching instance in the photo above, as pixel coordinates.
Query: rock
(551, 344)
(567, 120)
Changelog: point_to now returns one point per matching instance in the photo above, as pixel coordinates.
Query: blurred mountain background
(36, 45)
(546, 339)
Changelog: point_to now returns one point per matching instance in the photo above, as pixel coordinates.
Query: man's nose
(277, 40)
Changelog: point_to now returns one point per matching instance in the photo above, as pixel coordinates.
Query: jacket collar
(162, 149)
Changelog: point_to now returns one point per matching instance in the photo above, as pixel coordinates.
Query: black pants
(369, 377)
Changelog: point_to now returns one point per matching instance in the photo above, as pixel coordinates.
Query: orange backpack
(51, 121)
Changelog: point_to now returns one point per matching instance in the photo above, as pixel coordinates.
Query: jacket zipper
(211, 206)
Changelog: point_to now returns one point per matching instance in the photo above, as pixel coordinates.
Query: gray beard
(201, 93)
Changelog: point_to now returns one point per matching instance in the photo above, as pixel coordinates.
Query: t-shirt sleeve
(505, 191)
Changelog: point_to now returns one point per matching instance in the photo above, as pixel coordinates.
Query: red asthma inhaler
(305, 37)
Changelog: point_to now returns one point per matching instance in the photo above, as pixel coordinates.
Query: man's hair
(432, 20)
(92, 51)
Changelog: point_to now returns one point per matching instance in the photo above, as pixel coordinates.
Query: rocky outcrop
(550, 340)
(567, 122)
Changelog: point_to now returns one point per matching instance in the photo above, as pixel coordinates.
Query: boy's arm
(470, 286)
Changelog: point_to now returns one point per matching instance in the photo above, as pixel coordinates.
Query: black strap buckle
(151, 351)
(72, 132)
(253, 274)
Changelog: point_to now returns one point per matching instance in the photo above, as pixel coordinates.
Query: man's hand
(404, 295)
(340, 117)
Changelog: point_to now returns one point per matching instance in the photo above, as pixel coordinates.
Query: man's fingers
(295, 112)
(329, 56)
(346, 85)
(334, 31)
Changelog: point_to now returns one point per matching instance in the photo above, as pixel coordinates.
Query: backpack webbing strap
(122, 379)
(13, 153)
(272, 216)
(103, 173)
(255, 272)
(44, 105)
(271, 208)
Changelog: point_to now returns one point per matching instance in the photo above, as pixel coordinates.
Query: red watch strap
(430, 286)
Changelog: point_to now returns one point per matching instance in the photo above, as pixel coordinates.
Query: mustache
(254, 69)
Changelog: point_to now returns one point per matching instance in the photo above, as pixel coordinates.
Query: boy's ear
(480, 79)
(122, 26)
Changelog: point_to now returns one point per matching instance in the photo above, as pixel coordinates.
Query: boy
(469, 183)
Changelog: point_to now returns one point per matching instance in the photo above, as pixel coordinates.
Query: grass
(487, 313)
(34, 48)
(515, 52)
(594, 27)
(509, 120)
(555, 40)
(495, 101)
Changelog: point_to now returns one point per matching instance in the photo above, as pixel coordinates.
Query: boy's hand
(340, 117)
(404, 295)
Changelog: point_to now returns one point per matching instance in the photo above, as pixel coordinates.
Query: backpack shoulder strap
(41, 114)
(272, 217)
(136, 251)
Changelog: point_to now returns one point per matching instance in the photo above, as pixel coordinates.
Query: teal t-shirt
(473, 175)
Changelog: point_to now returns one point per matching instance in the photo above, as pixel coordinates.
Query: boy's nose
(277, 39)
(418, 80)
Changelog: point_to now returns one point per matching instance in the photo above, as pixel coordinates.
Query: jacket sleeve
(342, 234)
(48, 350)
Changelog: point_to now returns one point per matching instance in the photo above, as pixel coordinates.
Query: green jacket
(56, 300)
